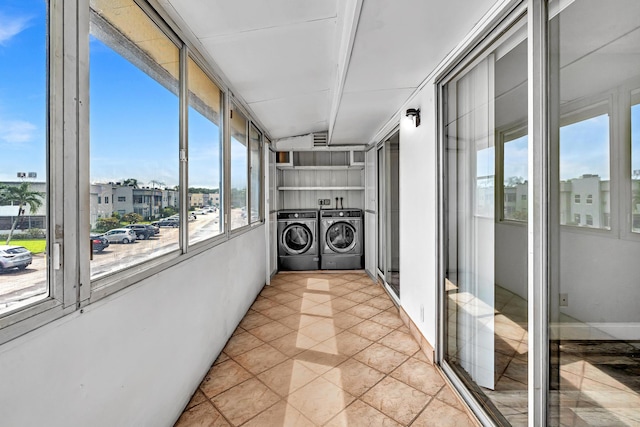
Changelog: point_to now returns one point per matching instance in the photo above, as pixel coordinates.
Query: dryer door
(296, 239)
(341, 237)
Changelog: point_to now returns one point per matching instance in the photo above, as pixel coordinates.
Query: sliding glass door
(485, 191)
(389, 212)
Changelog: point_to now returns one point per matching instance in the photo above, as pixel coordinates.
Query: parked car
(14, 257)
(169, 223)
(120, 235)
(98, 242)
(143, 231)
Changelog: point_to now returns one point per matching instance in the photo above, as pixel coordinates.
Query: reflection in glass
(239, 169)
(584, 173)
(515, 186)
(134, 136)
(635, 160)
(205, 154)
(23, 154)
(594, 326)
(486, 289)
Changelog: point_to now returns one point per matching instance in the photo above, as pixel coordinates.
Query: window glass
(486, 286)
(205, 154)
(592, 282)
(134, 136)
(515, 154)
(239, 170)
(584, 169)
(256, 174)
(23, 153)
(635, 160)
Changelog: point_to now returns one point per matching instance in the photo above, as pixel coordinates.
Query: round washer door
(341, 237)
(296, 239)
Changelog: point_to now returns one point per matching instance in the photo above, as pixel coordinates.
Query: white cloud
(11, 26)
(16, 131)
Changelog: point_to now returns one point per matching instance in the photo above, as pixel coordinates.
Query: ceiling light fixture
(414, 114)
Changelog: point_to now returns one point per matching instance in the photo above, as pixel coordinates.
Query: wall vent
(320, 139)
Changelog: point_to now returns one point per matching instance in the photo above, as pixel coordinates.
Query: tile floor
(323, 349)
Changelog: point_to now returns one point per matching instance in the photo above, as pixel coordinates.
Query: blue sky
(134, 120)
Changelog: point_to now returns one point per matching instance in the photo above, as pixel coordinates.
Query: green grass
(36, 246)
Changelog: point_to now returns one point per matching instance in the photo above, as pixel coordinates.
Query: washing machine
(341, 239)
(298, 245)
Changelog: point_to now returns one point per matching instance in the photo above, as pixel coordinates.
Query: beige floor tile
(345, 320)
(370, 330)
(307, 399)
(439, 414)
(320, 362)
(363, 311)
(203, 415)
(270, 331)
(447, 396)
(245, 401)
(341, 304)
(293, 344)
(222, 377)
(321, 310)
(359, 414)
(339, 290)
(280, 415)
(262, 303)
(296, 321)
(278, 311)
(284, 297)
(401, 342)
(388, 319)
(354, 377)
(396, 400)
(358, 296)
(381, 302)
(419, 375)
(253, 320)
(241, 343)
(381, 357)
(374, 289)
(260, 359)
(320, 330)
(287, 377)
(317, 296)
(347, 343)
(270, 290)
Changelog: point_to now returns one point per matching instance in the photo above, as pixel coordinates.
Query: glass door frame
(538, 201)
(382, 247)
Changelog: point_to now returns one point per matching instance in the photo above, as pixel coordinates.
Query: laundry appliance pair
(329, 239)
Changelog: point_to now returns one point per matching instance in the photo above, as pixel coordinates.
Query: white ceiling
(338, 66)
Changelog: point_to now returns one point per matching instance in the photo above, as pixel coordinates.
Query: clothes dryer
(298, 245)
(341, 234)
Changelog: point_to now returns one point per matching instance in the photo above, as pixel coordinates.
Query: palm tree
(130, 182)
(22, 195)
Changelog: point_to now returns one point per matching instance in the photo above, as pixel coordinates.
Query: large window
(24, 204)
(239, 170)
(255, 175)
(134, 80)
(205, 155)
(515, 172)
(635, 160)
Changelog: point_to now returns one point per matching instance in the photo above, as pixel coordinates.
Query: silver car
(14, 257)
(120, 235)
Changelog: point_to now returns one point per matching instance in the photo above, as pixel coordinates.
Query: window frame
(504, 136)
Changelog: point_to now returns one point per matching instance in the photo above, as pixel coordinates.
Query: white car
(120, 235)
(14, 257)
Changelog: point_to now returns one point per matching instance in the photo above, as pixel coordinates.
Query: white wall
(511, 257)
(135, 358)
(418, 214)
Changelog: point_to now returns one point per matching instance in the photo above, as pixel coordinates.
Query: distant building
(29, 219)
